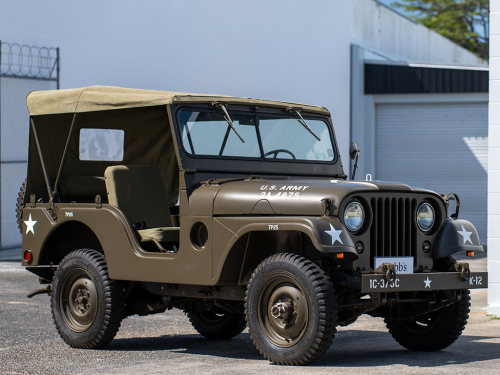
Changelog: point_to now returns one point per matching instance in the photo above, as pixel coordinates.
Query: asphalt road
(166, 343)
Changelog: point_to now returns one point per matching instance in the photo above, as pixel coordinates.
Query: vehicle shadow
(351, 348)
(358, 348)
(240, 347)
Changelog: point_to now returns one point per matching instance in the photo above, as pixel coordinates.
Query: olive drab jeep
(236, 211)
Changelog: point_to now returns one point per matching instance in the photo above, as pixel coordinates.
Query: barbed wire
(21, 60)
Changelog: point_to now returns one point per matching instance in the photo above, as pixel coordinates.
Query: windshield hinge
(326, 206)
(303, 122)
(222, 105)
(209, 182)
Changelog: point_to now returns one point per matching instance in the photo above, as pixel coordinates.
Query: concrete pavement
(166, 343)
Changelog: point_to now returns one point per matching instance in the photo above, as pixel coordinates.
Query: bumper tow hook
(386, 269)
(464, 269)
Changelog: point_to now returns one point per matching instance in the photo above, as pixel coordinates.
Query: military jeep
(236, 211)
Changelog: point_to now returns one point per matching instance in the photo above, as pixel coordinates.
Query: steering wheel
(276, 152)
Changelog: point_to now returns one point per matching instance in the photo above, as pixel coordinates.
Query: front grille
(393, 231)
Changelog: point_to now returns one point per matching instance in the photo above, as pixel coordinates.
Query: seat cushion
(166, 234)
(140, 192)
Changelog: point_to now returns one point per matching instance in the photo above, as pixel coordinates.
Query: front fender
(227, 231)
(327, 234)
(455, 236)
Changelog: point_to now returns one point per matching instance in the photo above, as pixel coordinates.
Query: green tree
(465, 22)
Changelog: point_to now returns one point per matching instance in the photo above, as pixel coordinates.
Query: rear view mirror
(353, 150)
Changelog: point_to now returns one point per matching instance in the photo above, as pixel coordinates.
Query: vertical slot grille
(393, 230)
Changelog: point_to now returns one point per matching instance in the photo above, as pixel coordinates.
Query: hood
(293, 196)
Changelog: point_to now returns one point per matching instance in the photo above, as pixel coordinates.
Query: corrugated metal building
(419, 108)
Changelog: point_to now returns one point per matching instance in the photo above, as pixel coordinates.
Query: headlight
(425, 217)
(354, 216)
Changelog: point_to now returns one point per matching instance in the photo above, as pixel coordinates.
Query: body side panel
(125, 258)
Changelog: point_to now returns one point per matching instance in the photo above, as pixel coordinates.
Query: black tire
(434, 331)
(20, 206)
(87, 306)
(445, 264)
(349, 322)
(285, 285)
(217, 326)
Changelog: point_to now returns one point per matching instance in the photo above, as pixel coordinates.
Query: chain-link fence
(22, 69)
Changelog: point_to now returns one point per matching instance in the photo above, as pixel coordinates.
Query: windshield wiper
(222, 106)
(301, 120)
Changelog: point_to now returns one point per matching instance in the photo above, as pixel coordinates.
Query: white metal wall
(14, 120)
(437, 146)
(289, 50)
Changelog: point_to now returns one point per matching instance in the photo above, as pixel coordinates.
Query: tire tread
(114, 307)
(325, 295)
(20, 206)
(447, 330)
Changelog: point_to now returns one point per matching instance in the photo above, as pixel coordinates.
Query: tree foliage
(465, 22)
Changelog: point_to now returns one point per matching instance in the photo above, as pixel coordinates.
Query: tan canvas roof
(101, 98)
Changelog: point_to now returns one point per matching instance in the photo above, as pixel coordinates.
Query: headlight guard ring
(423, 228)
(354, 228)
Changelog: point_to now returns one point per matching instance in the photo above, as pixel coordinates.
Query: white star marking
(30, 225)
(428, 282)
(465, 235)
(335, 234)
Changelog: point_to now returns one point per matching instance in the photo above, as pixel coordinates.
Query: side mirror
(354, 154)
(353, 150)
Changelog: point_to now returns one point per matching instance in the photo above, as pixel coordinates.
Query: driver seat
(139, 191)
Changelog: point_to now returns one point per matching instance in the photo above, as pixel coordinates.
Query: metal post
(58, 68)
(63, 160)
(44, 168)
(0, 138)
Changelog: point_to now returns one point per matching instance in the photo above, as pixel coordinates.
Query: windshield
(287, 138)
(209, 134)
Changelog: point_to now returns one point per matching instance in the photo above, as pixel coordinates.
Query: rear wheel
(87, 306)
(291, 309)
(433, 331)
(217, 326)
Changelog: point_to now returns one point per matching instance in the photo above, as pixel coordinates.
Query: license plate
(401, 264)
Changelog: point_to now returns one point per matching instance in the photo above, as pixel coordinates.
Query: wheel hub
(82, 301)
(281, 310)
(78, 300)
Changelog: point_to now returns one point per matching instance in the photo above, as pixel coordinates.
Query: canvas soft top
(101, 98)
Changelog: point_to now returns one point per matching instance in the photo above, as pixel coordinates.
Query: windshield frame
(261, 112)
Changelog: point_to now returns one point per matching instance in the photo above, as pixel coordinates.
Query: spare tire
(20, 206)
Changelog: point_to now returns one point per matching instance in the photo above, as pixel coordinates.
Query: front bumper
(428, 281)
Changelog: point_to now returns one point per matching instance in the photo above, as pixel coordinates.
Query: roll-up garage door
(437, 146)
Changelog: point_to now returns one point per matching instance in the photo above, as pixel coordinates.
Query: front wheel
(87, 306)
(291, 309)
(433, 331)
